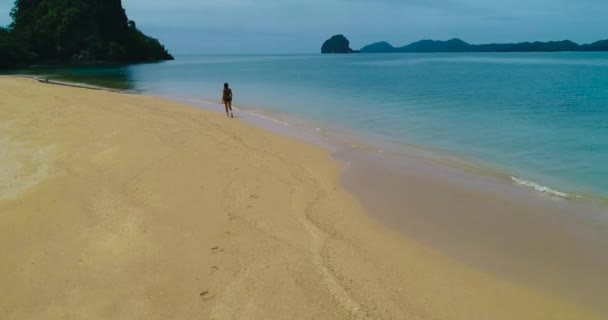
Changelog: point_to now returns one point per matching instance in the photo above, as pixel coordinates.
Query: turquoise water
(542, 117)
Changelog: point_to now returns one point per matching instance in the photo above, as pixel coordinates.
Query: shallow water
(541, 117)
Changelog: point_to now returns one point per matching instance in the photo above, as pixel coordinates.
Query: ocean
(539, 118)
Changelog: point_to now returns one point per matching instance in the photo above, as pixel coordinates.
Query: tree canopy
(75, 31)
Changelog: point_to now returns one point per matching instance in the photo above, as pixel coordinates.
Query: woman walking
(227, 100)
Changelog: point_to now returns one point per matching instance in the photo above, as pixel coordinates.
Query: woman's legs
(229, 107)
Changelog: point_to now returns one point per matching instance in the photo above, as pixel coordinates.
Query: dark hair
(225, 85)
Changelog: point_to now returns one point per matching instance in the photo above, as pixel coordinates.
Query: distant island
(337, 44)
(58, 31)
(457, 45)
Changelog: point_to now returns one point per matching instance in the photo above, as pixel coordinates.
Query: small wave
(541, 188)
(255, 114)
(368, 148)
(203, 101)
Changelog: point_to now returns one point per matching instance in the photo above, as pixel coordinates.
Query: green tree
(79, 30)
(13, 52)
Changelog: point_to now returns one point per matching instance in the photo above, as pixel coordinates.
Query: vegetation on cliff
(47, 31)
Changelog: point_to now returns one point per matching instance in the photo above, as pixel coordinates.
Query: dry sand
(117, 206)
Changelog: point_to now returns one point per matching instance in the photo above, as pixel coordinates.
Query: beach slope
(116, 206)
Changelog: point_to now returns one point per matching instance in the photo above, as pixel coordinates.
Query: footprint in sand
(214, 270)
(206, 296)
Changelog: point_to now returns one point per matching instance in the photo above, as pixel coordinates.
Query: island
(458, 45)
(337, 44)
(57, 31)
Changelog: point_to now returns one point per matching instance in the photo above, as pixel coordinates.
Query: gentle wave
(248, 111)
(201, 100)
(541, 188)
(258, 115)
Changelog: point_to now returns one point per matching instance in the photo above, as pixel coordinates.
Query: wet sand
(116, 206)
(516, 234)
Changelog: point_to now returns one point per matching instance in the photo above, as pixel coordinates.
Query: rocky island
(337, 44)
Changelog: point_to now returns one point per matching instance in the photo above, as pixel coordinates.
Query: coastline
(395, 273)
(335, 138)
(479, 215)
(536, 180)
(42, 79)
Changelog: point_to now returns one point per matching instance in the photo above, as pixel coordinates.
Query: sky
(301, 26)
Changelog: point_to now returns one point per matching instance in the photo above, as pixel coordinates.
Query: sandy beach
(117, 206)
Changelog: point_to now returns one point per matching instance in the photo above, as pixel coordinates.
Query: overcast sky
(300, 26)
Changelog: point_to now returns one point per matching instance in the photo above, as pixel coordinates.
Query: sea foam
(541, 188)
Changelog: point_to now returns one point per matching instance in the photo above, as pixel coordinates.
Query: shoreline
(578, 214)
(552, 244)
(335, 138)
(509, 234)
(45, 80)
(121, 206)
(358, 193)
(309, 130)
